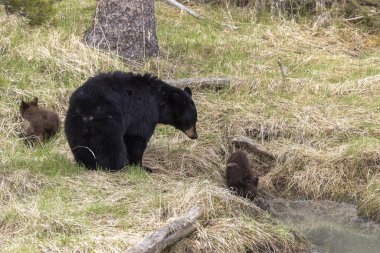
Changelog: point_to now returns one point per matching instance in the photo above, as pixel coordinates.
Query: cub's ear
(23, 106)
(35, 101)
(188, 91)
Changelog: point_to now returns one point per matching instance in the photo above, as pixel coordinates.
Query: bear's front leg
(136, 146)
(34, 135)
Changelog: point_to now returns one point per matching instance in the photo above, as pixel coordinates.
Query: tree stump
(126, 27)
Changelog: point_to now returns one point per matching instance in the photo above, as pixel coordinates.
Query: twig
(184, 8)
(282, 68)
(203, 82)
(231, 27)
(360, 17)
(242, 141)
(169, 234)
(85, 148)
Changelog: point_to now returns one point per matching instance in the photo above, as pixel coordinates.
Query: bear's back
(122, 81)
(126, 97)
(240, 158)
(51, 120)
(117, 88)
(238, 169)
(239, 175)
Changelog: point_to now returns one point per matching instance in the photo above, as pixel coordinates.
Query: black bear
(112, 116)
(43, 124)
(239, 175)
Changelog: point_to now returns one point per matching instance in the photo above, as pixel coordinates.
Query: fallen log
(244, 142)
(216, 83)
(169, 234)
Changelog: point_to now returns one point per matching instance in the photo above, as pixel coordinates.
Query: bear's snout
(191, 133)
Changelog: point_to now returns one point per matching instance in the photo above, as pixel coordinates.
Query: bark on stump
(126, 27)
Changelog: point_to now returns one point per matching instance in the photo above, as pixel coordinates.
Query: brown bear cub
(239, 175)
(43, 124)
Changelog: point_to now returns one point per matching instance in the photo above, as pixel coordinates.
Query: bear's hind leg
(76, 136)
(111, 153)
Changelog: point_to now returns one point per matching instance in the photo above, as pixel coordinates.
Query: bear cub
(239, 175)
(43, 124)
(112, 116)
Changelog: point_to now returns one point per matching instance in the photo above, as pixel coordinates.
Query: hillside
(322, 123)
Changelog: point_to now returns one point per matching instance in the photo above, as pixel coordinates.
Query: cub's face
(26, 107)
(185, 113)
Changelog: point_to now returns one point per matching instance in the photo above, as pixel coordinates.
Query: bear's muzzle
(191, 133)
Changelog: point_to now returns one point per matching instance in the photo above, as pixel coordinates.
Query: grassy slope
(322, 123)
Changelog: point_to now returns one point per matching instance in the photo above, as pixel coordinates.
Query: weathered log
(216, 83)
(244, 142)
(169, 234)
(184, 8)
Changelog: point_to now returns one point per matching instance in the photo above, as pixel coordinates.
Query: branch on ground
(184, 8)
(246, 143)
(216, 83)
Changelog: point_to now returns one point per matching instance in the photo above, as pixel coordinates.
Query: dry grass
(321, 122)
(369, 204)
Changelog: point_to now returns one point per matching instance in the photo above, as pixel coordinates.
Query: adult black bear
(239, 175)
(112, 116)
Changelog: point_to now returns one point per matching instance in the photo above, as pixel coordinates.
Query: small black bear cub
(43, 124)
(239, 175)
(112, 116)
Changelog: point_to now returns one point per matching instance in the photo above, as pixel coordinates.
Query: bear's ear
(23, 104)
(188, 91)
(35, 101)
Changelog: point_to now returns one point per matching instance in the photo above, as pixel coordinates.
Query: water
(331, 227)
